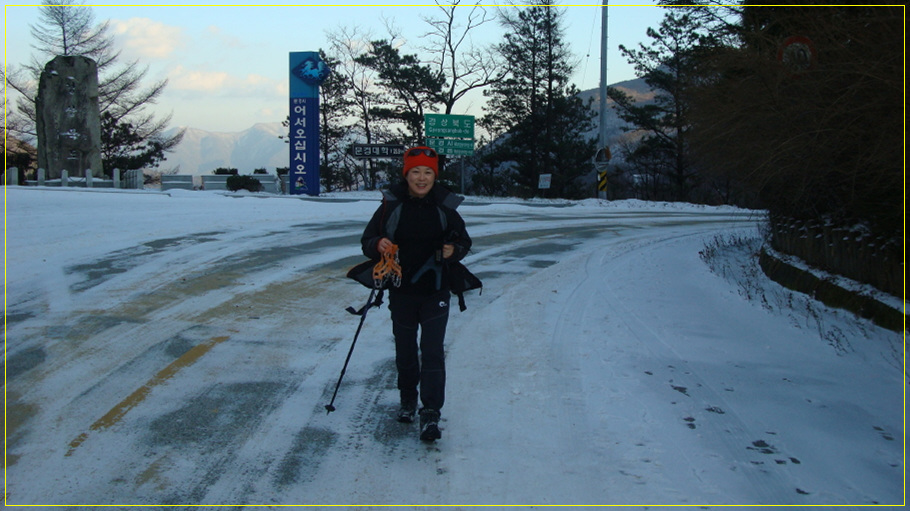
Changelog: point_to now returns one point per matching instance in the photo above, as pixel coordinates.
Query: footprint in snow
(883, 433)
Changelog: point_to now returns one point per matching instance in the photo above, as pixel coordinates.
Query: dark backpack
(461, 280)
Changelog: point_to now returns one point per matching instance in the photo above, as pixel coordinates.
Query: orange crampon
(387, 268)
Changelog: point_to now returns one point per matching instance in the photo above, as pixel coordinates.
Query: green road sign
(449, 126)
(452, 146)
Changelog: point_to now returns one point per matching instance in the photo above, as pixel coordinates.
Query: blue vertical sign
(307, 71)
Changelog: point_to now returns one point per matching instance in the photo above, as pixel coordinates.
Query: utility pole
(603, 152)
(603, 77)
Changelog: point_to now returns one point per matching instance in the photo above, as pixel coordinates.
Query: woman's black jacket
(420, 227)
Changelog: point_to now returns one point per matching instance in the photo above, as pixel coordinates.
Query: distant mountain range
(201, 151)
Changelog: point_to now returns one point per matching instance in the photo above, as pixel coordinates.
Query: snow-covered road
(179, 350)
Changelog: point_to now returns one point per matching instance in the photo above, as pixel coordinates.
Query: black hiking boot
(407, 411)
(429, 425)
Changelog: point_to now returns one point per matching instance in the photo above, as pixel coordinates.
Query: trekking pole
(363, 315)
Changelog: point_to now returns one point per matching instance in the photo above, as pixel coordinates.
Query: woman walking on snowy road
(417, 219)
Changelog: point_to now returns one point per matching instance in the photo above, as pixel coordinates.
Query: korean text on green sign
(449, 126)
(451, 146)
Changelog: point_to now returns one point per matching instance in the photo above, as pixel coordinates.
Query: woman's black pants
(420, 364)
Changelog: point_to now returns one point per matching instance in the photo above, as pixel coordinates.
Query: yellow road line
(117, 412)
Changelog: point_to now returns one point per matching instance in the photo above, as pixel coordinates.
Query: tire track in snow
(695, 393)
(579, 393)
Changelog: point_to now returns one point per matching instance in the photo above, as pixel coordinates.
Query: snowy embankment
(178, 349)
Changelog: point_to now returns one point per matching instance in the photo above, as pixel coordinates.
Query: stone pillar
(68, 117)
(11, 176)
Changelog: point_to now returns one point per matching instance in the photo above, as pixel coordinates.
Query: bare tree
(346, 45)
(452, 52)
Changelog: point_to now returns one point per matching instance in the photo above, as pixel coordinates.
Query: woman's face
(420, 181)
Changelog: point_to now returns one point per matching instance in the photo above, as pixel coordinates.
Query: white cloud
(223, 39)
(222, 82)
(185, 79)
(145, 38)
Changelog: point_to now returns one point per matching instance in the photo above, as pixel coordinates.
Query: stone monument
(68, 118)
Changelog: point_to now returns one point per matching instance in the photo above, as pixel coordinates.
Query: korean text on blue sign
(307, 71)
(304, 139)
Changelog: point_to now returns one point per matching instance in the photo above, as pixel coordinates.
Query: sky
(181, 351)
(227, 62)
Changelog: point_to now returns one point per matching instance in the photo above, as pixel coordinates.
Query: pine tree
(411, 88)
(536, 108)
(670, 65)
(824, 137)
